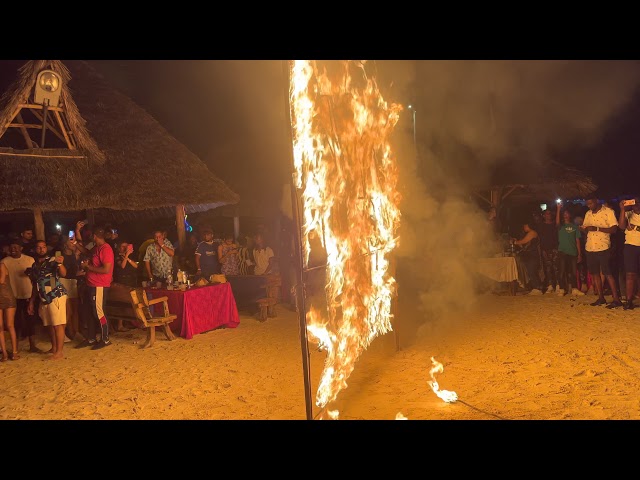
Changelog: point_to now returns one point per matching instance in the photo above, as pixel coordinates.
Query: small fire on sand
(445, 395)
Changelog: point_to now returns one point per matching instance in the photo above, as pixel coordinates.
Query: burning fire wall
(347, 177)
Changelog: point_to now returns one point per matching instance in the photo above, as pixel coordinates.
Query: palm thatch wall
(125, 159)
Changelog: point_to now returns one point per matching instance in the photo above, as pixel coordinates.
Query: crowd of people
(63, 283)
(596, 253)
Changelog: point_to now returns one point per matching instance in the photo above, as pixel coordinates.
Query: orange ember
(347, 176)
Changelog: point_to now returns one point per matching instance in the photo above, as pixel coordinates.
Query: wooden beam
(64, 132)
(39, 107)
(39, 224)
(50, 126)
(510, 191)
(182, 233)
(23, 125)
(12, 117)
(91, 218)
(40, 156)
(25, 134)
(483, 198)
(67, 128)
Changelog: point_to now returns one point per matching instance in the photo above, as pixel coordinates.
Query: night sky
(231, 114)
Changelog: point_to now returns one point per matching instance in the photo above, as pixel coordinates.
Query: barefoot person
(7, 313)
(45, 274)
(17, 264)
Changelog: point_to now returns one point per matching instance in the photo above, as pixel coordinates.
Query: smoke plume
(469, 118)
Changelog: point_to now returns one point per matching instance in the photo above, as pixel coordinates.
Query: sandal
(15, 356)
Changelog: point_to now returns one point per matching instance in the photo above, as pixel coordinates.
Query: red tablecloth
(199, 309)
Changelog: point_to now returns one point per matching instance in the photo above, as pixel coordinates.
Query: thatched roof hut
(522, 183)
(109, 152)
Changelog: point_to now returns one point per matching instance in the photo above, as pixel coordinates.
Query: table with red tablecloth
(199, 309)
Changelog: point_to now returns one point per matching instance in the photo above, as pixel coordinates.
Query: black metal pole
(299, 287)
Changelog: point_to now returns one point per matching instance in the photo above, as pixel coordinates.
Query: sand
(511, 358)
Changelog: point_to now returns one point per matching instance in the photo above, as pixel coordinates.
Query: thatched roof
(144, 167)
(21, 91)
(544, 182)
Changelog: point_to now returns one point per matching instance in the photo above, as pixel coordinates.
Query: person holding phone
(125, 277)
(569, 252)
(126, 270)
(228, 256)
(158, 259)
(45, 274)
(71, 261)
(629, 221)
(99, 275)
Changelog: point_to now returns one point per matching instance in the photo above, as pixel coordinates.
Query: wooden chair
(267, 305)
(142, 307)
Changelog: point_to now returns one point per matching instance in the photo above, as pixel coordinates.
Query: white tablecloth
(500, 269)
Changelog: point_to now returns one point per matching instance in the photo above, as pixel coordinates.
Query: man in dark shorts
(629, 221)
(599, 223)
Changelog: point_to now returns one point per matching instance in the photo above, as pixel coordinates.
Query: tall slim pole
(299, 264)
(415, 145)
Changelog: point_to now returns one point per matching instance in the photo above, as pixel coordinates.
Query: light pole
(415, 145)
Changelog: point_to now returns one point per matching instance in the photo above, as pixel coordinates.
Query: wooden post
(182, 233)
(38, 224)
(394, 301)
(236, 223)
(91, 218)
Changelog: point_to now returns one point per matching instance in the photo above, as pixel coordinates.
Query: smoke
(470, 118)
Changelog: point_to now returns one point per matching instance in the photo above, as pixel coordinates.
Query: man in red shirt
(99, 268)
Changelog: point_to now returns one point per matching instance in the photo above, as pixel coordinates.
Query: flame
(445, 395)
(347, 173)
(400, 416)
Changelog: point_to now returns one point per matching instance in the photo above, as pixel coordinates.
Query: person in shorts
(45, 275)
(599, 223)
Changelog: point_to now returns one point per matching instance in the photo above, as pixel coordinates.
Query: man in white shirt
(599, 223)
(263, 256)
(21, 285)
(629, 221)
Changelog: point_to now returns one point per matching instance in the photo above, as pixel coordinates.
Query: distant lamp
(48, 88)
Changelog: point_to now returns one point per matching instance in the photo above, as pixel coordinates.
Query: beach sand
(510, 358)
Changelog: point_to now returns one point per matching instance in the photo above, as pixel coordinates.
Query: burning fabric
(347, 174)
